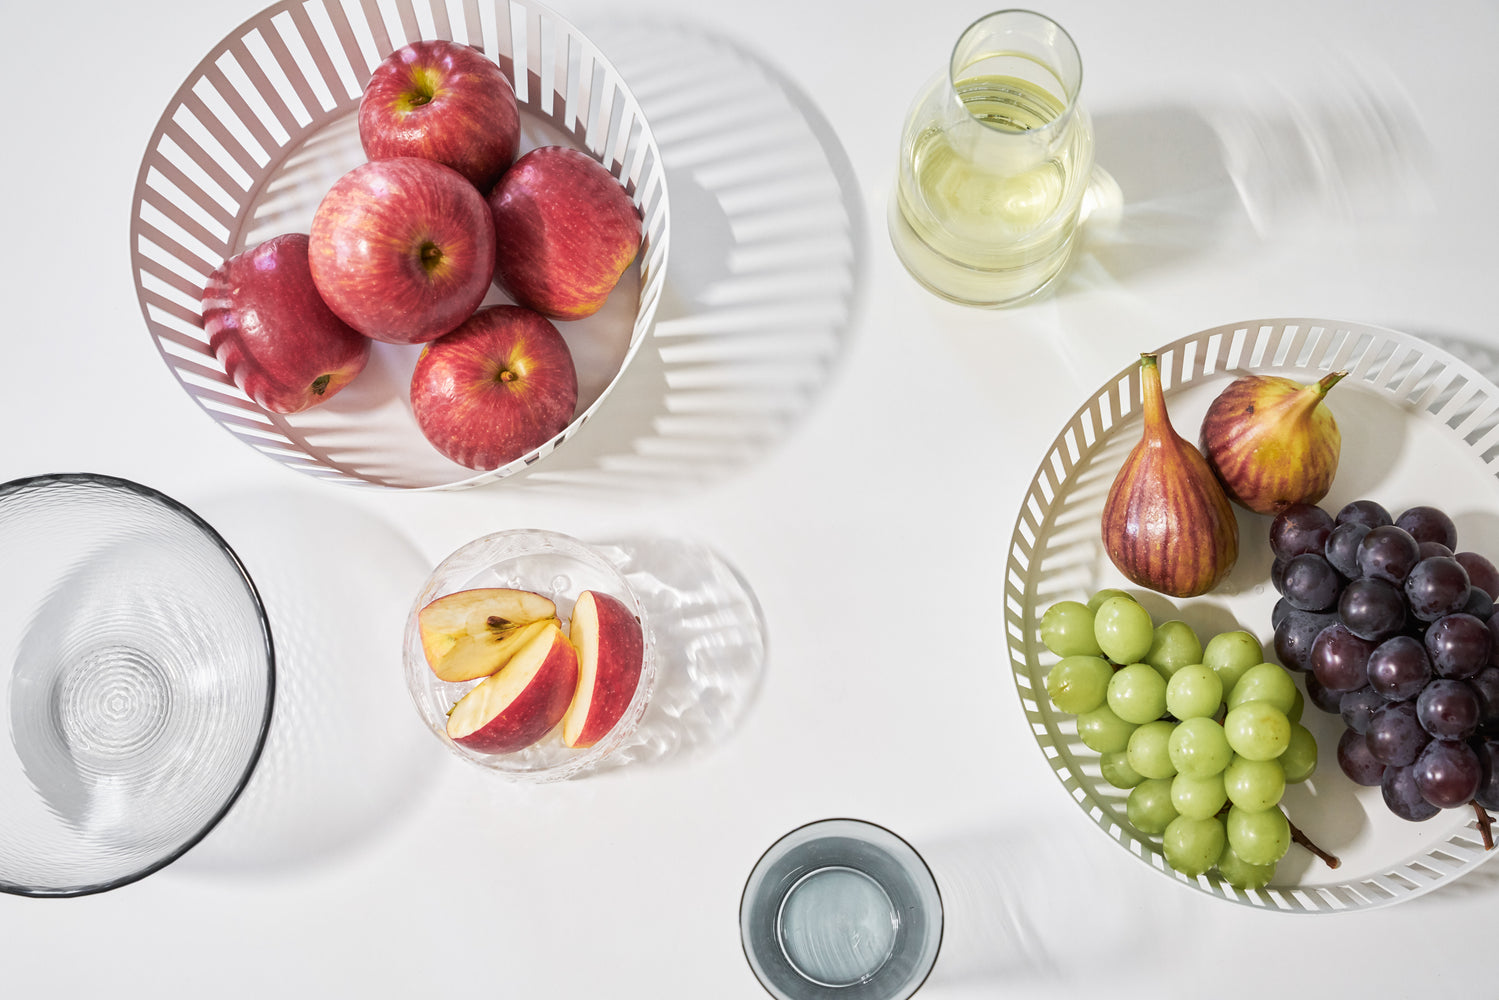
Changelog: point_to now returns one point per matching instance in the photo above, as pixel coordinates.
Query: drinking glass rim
(1070, 94)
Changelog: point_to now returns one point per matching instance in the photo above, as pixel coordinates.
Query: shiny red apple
(443, 101)
(499, 386)
(272, 332)
(565, 230)
(402, 250)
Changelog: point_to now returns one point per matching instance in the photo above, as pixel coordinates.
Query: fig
(1167, 524)
(1272, 442)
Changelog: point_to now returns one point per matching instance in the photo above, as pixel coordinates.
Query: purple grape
(1372, 609)
(1395, 735)
(1340, 659)
(1330, 702)
(1358, 707)
(1366, 512)
(1298, 528)
(1488, 782)
(1480, 604)
(1295, 634)
(1311, 583)
(1448, 773)
(1399, 668)
(1493, 626)
(1278, 575)
(1428, 524)
(1279, 612)
(1356, 761)
(1482, 572)
(1448, 709)
(1403, 797)
(1435, 587)
(1388, 553)
(1341, 548)
(1485, 685)
(1459, 645)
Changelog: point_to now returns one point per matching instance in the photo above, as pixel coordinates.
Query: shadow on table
(766, 262)
(1337, 146)
(346, 756)
(1039, 904)
(710, 643)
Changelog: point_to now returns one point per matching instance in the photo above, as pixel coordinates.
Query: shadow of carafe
(345, 758)
(710, 641)
(766, 263)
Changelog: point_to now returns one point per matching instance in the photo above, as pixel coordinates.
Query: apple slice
(471, 633)
(611, 652)
(520, 704)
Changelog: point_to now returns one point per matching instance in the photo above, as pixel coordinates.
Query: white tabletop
(872, 523)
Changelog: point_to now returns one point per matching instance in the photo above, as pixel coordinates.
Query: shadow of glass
(767, 261)
(346, 757)
(1017, 901)
(710, 647)
(1339, 146)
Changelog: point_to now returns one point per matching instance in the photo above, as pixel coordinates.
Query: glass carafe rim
(1071, 96)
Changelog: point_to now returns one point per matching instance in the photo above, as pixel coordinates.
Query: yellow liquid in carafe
(989, 218)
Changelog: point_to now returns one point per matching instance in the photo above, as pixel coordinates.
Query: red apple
(272, 332)
(520, 704)
(442, 101)
(472, 633)
(565, 230)
(499, 386)
(611, 652)
(402, 249)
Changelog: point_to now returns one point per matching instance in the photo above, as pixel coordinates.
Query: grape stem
(1331, 860)
(1485, 826)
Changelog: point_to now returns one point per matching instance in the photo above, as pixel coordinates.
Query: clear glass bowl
(556, 566)
(140, 682)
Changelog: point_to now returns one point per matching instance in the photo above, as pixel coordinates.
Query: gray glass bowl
(138, 677)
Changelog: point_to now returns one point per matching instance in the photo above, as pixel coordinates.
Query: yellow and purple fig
(1272, 441)
(1167, 524)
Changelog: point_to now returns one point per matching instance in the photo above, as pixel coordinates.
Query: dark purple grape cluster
(1395, 631)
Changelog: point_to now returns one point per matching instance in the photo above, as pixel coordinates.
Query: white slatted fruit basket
(1418, 426)
(265, 124)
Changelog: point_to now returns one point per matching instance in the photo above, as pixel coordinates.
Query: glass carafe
(995, 158)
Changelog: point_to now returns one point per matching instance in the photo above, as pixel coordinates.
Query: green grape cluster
(1204, 737)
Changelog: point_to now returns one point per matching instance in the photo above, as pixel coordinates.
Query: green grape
(1079, 684)
(1194, 691)
(1231, 654)
(1300, 757)
(1096, 601)
(1116, 770)
(1192, 846)
(1067, 629)
(1297, 706)
(1254, 784)
(1269, 682)
(1149, 806)
(1149, 749)
(1238, 872)
(1257, 730)
(1198, 798)
(1261, 836)
(1137, 694)
(1198, 748)
(1174, 646)
(1123, 630)
(1102, 731)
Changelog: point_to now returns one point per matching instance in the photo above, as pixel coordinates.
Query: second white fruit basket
(267, 122)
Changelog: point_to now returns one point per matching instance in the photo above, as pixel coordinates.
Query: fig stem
(1300, 838)
(1485, 826)
(1152, 399)
(1326, 382)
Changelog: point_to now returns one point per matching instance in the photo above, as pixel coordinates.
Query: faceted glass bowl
(138, 679)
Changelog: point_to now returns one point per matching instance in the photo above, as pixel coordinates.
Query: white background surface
(873, 533)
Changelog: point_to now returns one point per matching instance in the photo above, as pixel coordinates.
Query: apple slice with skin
(471, 633)
(611, 652)
(522, 702)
